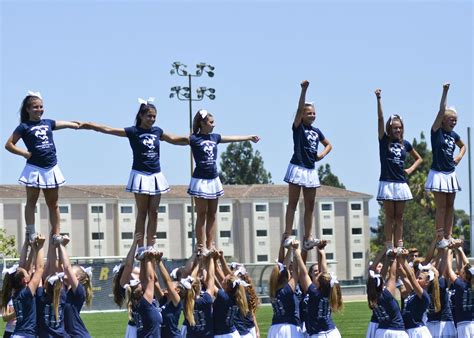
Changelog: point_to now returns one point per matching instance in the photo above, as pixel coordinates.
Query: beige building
(251, 218)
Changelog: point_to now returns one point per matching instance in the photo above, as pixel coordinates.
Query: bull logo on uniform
(396, 150)
(208, 147)
(149, 140)
(40, 132)
(312, 138)
(450, 143)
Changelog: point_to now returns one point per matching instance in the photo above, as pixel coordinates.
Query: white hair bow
(174, 273)
(132, 283)
(87, 270)
(281, 266)
(426, 267)
(375, 276)
(431, 275)
(116, 268)
(333, 280)
(241, 270)
(187, 282)
(11, 270)
(142, 101)
(452, 108)
(239, 281)
(57, 276)
(31, 93)
(203, 113)
(393, 116)
(309, 103)
(471, 270)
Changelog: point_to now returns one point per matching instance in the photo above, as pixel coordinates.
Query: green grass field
(352, 322)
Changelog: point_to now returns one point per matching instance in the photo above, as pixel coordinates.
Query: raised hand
(254, 138)
(446, 86)
(378, 93)
(304, 84)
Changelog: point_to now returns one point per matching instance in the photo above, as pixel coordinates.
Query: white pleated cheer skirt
(131, 332)
(147, 184)
(302, 176)
(328, 334)
(251, 334)
(36, 177)
(419, 332)
(441, 182)
(442, 329)
(234, 334)
(465, 329)
(393, 191)
(203, 188)
(385, 333)
(371, 330)
(285, 331)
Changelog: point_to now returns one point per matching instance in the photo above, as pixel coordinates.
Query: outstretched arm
(442, 108)
(39, 265)
(14, 149)
(380, 123)
(129, 260)
(66, 124)
(228, 139)
(299, 113)
(174, 139)
(415, 164)
(102, 129)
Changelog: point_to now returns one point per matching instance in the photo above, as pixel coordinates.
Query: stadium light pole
(185, 94)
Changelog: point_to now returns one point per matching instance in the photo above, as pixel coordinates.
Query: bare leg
(211, 224)
(398, 231)
(293, 197)
(153, 204)
(201, 212)
(440, 203)
(142, 210)
(449, 215)
(309, 194)
(51, 196)
(32, 195)
(389, 208)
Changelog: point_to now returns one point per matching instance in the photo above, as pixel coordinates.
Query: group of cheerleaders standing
(218, 299)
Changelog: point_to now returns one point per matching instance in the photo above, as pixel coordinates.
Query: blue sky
(92, 59)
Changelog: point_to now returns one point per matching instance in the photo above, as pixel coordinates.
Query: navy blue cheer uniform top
(443, 144)
(445, 314)
(72, 320)
(305, 145)
(224, 311)
(318, 318)
(204, 149)
(25, 310)
(388, 312)
(204, 327)
(38, 139)
(148, 319)
(392, 159)
(170, 314)
(48, 324)
(285, 309)
(463, 301)
(145, 145)
(414, 310)
(244, 323)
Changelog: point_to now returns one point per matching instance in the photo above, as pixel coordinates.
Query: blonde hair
(85, 281)
(335, 295)
(252, 299)
(449, 111)
(238, 292)
(55, 292)
(277, 280)
(189, 301)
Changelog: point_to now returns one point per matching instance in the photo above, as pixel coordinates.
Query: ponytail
(6, 293)
(278, 279)
(374, 291)
(85, 281)
(54, 291)
(252, 298)
(433, 291)
(335, 298)
(118, 298)
(189, 299)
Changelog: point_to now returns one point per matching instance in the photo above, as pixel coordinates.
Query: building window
(188, 209)
(326, 207)
(357, 231)
(357, 255)
(294, 232)
(64, 234)
(97, 235)
(261, 233)
(97, 209)
(356, 206)
(63, 209)
(190, 234)
(260, 207)
(225, 234)
(127, 235)
(126, 209)
(224, 208)
(161, 235)
(162, 209)
(262, 258)
(327, 232)
(329, 255)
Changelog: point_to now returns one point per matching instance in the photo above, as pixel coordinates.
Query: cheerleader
(463, 296)
(146, 180)
(77, 282)
(393, 188)
(41, 170)
(324, 297)
(375, 285)
(123, 273)
(282, 284)
(442, 180)
(205, 184)
(301, 173)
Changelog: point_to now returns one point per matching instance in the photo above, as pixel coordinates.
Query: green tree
(419, 215)
(7, 245)
(240, 165)
(326, 177)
